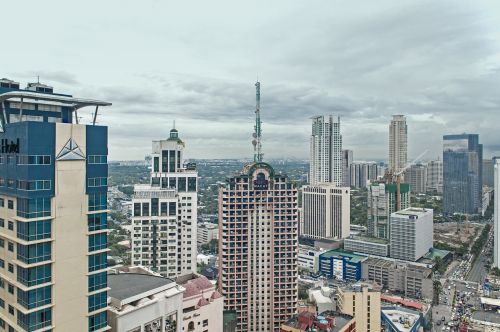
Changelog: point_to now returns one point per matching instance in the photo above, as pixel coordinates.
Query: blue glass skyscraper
(53, 212)
(462, 174)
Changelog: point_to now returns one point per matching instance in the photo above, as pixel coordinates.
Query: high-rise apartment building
(164, 218)
(462, 174)
(362, 173)
(435, 176)
(496, 216)
(258, 247)
(53, 212)
(488, 172)
(381, 203)
(362, 302)
(398, 141)
(347, 159)
(326, 211)
(416, 176)
(411, 233)
(326, 151)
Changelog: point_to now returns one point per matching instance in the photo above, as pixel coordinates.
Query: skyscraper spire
(257, 144)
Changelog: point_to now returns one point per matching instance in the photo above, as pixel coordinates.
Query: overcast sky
(438, 62)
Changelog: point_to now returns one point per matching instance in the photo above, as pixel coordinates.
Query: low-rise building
(144, 302)
(363, 302)
(367, 245)
(203, 305)
(341, 265)
(322, 297)
(410, 279)
(206, 259)
(329, 321)
(308, 258)
(207, 232)
(399, 319)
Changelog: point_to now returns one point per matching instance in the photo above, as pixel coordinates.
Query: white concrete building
(416, 176)
(207, 232)
(308, 258)
(144, 303)
(202, 305)
(411, 233)
(326, 211)
(435, 176)
(496, 218)
(326, 151)
(164, 215)
(398, 140)
(367, 245)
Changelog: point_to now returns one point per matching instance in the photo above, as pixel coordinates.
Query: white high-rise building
(411, 233)
(326, 211)
(164, 215)
(435, 176)
(496, 243)
(326, 151)
(398, 140)
(416, 176)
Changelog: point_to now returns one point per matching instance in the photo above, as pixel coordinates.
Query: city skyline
(350, 62)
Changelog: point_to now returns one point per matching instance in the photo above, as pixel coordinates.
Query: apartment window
(154, 206)
(97, 222)
(98, 321)
(10, 268)
(1, 199)
(34, 230)
(34, 185)
(10, 205)
(97, 301)
(97, 182)
(97, 262)
(33, 160)
(11, 310)
(34, 253)
(10, 288)
(34, 207)
(98, 241)
(35, 275)
(2, 184)
(2, 243)
(145, 209)
(98, 281)
(192, 184)
(205, 322)
(172, 209)
(137, 209)
(156, 164)
(10, 225)
(35, 320)
(97, 159)
(2, 303)
(98, 201)
(10, 246)
(34, 298)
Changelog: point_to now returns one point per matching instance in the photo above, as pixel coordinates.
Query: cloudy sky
(196, 62)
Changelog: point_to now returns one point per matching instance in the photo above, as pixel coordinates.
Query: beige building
(326, 211)
(202, 305)
(362, 302)
(53, 206)
(207, 232)
(398, 143)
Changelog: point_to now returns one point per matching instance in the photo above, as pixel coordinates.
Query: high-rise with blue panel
(53, 212)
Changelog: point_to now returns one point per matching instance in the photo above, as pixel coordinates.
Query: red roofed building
(202, 304)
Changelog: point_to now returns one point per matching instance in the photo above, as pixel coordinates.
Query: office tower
(164, 216)
(326, 211)
(362, 173)
(53, 212)
(462, 174)
(398, 140)
(488, 177)
(326, 151)
(381, 203)
(435, 176)
(496, 216)
(347, 159)
(258, 244)
(361, 301)
(416, 176)
(412, 232)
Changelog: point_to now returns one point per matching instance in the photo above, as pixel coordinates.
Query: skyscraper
(381, 203)
(496, 216)
(488, 177)
(462, 174)
(398, 140)
(416, 176)
(165, 212)
(326, 151)
(258, 246)
(435, 176)
(363, 173)
(53, 212)
(326, 211)
(347, 159)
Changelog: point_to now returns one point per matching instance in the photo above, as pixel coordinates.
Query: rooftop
(403, 319)
(487, 317)
(369, 239)
(413, 211)
(195, 284)
(343, 253)
(328, 321)
(128, 285)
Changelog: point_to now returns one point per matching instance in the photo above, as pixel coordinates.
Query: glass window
(98, 201)
(33, 160)
(97, 159)
(98, 301)
(34, 298)
(172, 209)
(35, 275)
(34, 230)
(34, 253)
(97, 182)
(145, 209)
(97, 262)
(156, 164)
(164, 161)
(154, 206)
(171, 161)
(98, 321)
(137, 209)
(35, 320)
(97, 222)
(98, 241)
(192, 184)
(98, 281)
(33, 207)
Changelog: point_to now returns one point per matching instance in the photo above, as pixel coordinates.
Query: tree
(437, 290)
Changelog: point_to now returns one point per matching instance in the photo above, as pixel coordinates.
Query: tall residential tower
(398, 141)
(53, 212)
(326, 151)
(164, 218)
(496, 216)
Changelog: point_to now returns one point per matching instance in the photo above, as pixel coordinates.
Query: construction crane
(396, 177)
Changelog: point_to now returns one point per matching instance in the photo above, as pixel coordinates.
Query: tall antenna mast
(257, 135)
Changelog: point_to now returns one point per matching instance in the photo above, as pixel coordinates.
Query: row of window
(35, 298)
(47, 160)
(98, 262)
(10, 203)
(97, 222)
(98, 201)
(34, 253)
(97, 182)
(34, 230)
(31, 185)
(98, 242)
(97, 301)
(34, 275)
(166, 209)
(35, 320)
(98, 281)
(97, 159)
(33, 207)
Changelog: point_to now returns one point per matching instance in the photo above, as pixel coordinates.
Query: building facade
(416, 176)
(326, 211)
(164, 217)
(341, 265)
(496, 215)
(258, 247)
(435, 176)
(363, 173)
(381, 204)
(362, 302)
(488, 172)
(462, 174)
(53, 212)
(398, 143)
(411, 233)
(367, 245)
(326, 151)
(308, 258)
(207, 232)
(347, 159)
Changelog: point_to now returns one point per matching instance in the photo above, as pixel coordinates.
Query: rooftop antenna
(38, 79)
(174, 124)
(256, 142)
